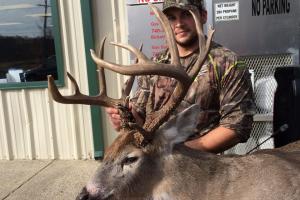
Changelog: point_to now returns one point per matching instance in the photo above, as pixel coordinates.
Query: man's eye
(171, 18)
(186, 14)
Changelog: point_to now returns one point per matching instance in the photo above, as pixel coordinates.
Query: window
(30, 43)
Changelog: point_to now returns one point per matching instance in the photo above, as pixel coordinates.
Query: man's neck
(187, 50)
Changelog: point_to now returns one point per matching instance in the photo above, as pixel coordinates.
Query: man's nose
(178, 23)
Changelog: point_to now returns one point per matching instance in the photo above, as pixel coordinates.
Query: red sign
(151, 1)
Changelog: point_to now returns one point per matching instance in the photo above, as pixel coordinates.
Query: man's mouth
(181, 32)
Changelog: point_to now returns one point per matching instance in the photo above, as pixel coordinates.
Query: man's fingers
(115, 116)
(110, 110)
(115, 119)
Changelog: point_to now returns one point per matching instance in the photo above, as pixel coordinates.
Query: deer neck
(177, 169)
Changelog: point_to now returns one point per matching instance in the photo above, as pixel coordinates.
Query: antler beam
(78, 98)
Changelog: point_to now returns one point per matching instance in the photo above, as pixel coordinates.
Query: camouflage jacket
(222, 89)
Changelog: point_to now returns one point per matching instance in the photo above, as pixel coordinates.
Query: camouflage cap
(183, 4)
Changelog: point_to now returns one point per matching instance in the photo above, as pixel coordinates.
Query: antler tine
(128, 86)
(210, 34)
(164, 22)
(141, 58)
(56, 95)
(78, 98)
(201, 38)
(101, 72)
(203, 46)
(126, 90)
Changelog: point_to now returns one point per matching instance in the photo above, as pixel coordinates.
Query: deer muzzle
(91, 192)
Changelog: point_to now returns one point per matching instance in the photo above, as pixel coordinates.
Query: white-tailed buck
(150, 162)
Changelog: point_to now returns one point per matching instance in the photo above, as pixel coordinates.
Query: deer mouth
(108, 196)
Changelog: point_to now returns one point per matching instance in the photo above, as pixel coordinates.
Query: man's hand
(115, 118)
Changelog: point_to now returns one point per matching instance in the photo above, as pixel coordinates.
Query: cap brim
(183, 7)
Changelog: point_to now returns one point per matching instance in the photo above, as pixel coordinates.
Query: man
(222, 88)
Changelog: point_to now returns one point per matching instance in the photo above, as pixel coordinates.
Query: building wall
(32, 125)
(110, 20)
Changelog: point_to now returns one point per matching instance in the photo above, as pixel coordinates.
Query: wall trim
(87, 21)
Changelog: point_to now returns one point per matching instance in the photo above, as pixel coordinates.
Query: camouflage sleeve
(236, 98)
(144, 83)
(140, 97)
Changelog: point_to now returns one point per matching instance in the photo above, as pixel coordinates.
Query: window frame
(58, 53)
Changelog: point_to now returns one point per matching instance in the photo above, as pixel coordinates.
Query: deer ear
(183, 125)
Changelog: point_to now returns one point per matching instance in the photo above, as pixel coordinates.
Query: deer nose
(91, 192)
(83, 195)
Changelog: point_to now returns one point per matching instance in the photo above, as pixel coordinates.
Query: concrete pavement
(44, 179)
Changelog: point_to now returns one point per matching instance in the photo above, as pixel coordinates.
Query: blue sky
(22, 17)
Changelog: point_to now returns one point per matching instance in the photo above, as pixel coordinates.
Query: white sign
(227, 11)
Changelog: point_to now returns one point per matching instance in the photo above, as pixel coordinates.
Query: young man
(222, 89)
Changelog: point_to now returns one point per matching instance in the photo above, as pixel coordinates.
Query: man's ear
(203, 14)
(182, 126)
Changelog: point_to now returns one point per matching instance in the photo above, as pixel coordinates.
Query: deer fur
(167, 170)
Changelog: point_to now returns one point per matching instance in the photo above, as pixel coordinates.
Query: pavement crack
(27, 180)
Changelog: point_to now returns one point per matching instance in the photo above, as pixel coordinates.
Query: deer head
(137, 150)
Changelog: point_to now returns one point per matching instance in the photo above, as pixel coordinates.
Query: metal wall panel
(149, 32)
(266, 34)
(115, 28)
(32, 126)
(261, 29)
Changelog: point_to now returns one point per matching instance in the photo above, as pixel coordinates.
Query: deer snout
(86, 195)
(83, 195)
(92, 192)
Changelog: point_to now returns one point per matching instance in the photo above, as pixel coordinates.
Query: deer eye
(129, 160)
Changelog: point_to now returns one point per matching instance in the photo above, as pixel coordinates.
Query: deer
(150, 162)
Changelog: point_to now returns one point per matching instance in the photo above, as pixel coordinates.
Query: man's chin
(186, 42)
(182, 40)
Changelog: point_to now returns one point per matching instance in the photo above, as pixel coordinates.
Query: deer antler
(175, 70)
(78, 98)
(145, 66)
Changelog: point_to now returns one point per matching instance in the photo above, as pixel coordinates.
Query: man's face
(183, 25)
